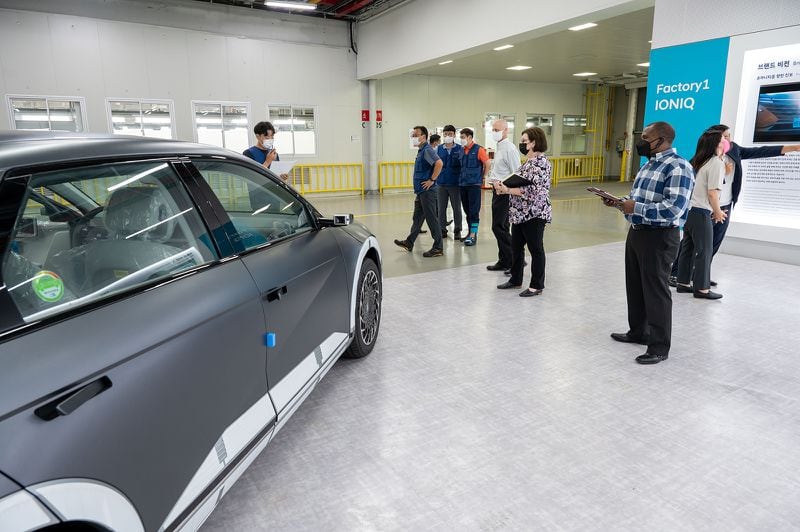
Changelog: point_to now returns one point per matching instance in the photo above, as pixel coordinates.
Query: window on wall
(545, 122)
(489, 142)
(223, 124)
(295, 129)
(146, 118)
(45, 113)
(573, 134)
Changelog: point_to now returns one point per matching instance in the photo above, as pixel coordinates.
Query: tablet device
(603, 194)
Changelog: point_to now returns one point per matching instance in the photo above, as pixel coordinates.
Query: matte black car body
(138, 411)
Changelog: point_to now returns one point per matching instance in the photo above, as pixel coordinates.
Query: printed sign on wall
(769, 114)
(685, 87)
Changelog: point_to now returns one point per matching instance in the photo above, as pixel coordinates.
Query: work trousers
(453, 194)
(425, 209)
(500, 228)
(471, 201)
(648, 253)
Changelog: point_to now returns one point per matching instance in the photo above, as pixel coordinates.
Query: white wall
(400, 40)
(685, 21)
(410, 100)
(283, 60)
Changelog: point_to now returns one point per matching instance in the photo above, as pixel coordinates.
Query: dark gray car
(164, 308)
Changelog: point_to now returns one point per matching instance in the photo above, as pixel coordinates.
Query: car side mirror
(337, 220)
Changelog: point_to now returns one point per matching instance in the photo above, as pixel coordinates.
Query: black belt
(644, 227)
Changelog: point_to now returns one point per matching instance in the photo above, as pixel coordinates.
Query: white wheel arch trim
(370, 243)
(88, 500)
(21, 511)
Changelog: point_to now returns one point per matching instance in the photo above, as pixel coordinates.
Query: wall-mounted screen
(778, 115)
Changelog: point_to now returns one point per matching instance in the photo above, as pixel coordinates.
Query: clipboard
(603, 194)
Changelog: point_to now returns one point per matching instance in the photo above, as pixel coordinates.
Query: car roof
(29, 148)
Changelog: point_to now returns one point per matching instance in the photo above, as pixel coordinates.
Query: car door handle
(274, 295)
(68, 403)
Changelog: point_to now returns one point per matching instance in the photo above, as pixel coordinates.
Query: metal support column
(633, 102)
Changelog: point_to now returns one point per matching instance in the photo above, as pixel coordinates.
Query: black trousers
(648, 254)
(719, 235)
(500, 228)
(532, 234)
(696, 249)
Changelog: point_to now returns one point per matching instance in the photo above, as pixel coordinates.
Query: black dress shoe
(423, 231)
(508, 284)
(681, 289)
(628, 339)
(650, 358)
(707, 295)
(496, 267)
(672, 281)
(530, 293)
(713, 283)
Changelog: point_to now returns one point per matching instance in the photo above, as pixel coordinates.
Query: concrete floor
(480, 410)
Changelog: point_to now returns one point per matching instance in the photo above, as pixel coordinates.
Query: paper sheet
(282, 167)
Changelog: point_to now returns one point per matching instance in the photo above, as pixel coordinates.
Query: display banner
(769, 114)
(685, 87)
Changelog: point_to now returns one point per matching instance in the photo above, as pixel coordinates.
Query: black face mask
(523, 148)
(644, 149)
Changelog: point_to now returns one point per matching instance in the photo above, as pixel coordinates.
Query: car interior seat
(139, 221)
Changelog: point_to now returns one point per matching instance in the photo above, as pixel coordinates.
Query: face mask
(268, 143)
(523, 148)
(497, 136)
(449, 140)
(644, 149)
(415, 141)
(463, 142)
(726, 145)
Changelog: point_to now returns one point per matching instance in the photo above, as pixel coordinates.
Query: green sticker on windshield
(48, 287)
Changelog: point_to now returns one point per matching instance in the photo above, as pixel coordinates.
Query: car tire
(368, 311)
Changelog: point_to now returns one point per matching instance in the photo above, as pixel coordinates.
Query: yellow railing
(395, 175)
(335, 177)
(399, 174)
(577, 168)
(623, 163)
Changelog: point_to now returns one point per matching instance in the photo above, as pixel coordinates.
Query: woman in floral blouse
(529, 211)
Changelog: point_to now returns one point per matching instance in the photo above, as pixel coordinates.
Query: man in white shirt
(506, 162)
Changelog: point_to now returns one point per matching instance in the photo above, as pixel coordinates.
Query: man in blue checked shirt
(657, 206)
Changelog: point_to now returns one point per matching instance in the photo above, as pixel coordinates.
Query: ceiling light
(651, 42)
(583, 26)
(446, 62)
(518, 67)
(585, 74)
(643, 64)
(504, 47)
(291, 5)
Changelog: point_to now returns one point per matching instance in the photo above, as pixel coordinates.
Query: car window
(86, 233)
(261, 210)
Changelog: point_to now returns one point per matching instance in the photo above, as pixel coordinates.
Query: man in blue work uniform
(426, 171)
(450, 153)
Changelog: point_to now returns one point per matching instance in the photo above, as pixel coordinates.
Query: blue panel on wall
(685, 86)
